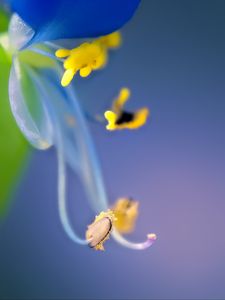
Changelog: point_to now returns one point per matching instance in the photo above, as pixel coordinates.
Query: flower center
(87, 57)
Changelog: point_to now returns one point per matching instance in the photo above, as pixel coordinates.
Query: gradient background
(173, 59)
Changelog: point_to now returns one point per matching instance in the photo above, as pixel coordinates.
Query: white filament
(62, 196)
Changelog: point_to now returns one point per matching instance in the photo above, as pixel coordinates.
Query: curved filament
(62, 207)
(90, 168)
(45, 53)
(151, 238)
(62, 196)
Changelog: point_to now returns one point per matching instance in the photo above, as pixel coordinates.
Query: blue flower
(61, 19)
(49, 114)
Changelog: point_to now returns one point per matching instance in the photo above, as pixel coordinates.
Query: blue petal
(61, 19)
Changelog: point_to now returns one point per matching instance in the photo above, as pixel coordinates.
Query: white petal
(30, 113)
(19, 32)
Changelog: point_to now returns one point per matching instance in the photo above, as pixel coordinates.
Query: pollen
(118, 118)
(99, 231)
(126, 213)
(87, 57)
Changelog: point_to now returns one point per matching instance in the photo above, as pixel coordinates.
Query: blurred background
(173, 60)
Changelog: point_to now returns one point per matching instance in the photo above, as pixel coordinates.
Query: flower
(48, 113)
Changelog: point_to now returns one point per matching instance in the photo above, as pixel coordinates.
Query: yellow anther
(84, 72)
(61, 53)
(100, 61)
(126, 213)
(87, 57)
(99, 231)
(119, 119)
(140, 118)
(120, 101)
(111, 118)
(111, 41)
(67, 77)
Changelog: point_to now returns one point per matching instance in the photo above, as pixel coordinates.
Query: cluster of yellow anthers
(87, 57)
(99, 231)
(120, 119)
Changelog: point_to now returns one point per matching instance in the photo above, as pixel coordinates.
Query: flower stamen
(99, 231)
(87, 57)
(119, 119)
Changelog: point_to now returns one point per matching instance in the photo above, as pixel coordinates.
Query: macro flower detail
(50, 114)
(118, 118)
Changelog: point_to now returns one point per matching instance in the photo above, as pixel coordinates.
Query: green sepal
(4, 21)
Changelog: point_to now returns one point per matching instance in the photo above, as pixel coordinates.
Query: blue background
(173, 60)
